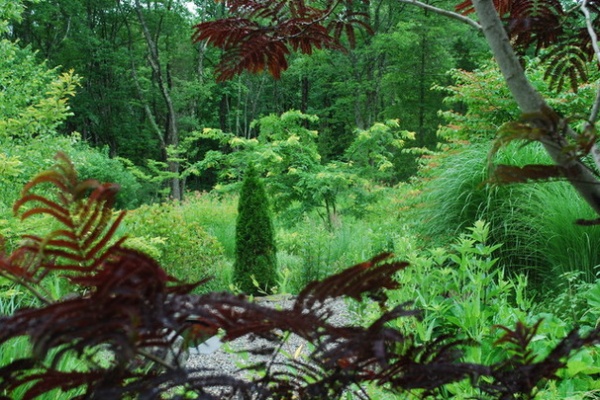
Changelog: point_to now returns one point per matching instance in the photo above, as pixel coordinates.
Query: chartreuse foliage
(34, 102)
(179, 243)
(375, 151)
(9, 10)
(255, 266)
(286, 153)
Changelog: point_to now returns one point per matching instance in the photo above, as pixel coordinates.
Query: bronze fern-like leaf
(86, 222)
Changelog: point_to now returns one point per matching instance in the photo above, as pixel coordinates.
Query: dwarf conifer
(254, 239)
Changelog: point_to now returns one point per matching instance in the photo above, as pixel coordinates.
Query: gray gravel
(221, 358)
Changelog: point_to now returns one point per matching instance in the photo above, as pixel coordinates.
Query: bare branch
(446, 13)
(594, 151)
(594, 38)
(532, 103)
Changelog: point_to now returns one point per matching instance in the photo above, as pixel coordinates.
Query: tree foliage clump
(255, 252)
(286, 152)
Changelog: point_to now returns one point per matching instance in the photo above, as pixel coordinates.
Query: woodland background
(383, 147)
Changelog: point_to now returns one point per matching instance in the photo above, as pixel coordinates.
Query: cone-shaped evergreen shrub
(254, 239)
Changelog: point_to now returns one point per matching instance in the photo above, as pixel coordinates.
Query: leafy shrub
(462, 291)
(464, 294)
(217, 215)
(97, 164)
(34, 96)
(180, 244)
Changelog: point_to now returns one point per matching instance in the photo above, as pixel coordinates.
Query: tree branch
(589, 126)
(446, 13)
(594, 38)
(533, 105)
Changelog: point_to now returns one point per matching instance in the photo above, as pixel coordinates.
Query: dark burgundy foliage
(261, 34)
(553, 29)
(127, 313)
(538, 127)
(504, 174)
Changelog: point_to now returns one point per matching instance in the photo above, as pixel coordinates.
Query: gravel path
(214, 355)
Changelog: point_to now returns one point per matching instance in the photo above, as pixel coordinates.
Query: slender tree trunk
(422, 139)
(224, 112)
(531, 102)
(238, 108)
(171, 137)
(304, 90)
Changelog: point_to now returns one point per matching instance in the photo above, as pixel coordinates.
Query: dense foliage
(126, 308)
(345, 142)
(180, 244)
(121, 102)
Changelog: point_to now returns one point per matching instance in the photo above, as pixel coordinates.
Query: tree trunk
(304, 91)
(171, 137)
(531, 102)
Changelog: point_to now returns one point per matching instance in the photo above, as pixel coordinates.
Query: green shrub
(255, 253)
(180, 244)
(462, 290)
(97, 164)
(217, 214)
(463, 293)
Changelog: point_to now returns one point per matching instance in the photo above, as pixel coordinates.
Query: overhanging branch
(446, 13)
(532, 104)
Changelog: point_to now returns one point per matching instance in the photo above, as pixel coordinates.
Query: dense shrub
(255, 253)
(465, 294)
(217, 214)
(180, 244)
(97, 164)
